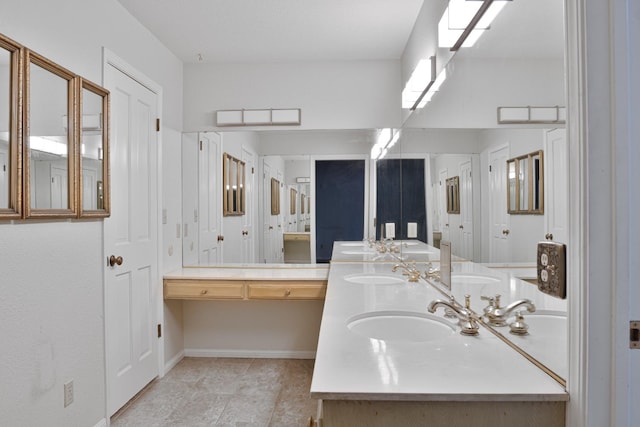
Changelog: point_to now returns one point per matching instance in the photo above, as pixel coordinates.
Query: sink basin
(474, 278)
(354, 244)
(374, 279)
(400, 326)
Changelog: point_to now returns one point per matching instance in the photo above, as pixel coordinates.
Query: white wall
(332, 95)
(51, 304)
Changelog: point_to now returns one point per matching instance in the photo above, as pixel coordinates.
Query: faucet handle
(519, 327)
(467, 301)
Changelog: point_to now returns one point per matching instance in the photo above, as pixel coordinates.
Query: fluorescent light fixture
(386, 139)
(435, 87)
(47, 145)
(464, 21)
(421, 77)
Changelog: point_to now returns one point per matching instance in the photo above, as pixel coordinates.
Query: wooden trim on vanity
(220, 289)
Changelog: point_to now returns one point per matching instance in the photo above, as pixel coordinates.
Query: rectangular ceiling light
(259, 117)
(421, 78)
(464, 21)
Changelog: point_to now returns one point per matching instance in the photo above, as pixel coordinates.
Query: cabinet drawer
(283, 290)
(193, 289)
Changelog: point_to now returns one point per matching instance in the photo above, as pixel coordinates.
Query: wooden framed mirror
(525, 184)
(11, 56)
(453, 195)
(93, 158)
(302, 203)
(293, 196)
(49, 139)
(275, 197)
(233, 172)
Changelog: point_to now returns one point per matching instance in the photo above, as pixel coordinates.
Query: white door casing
(131, 289)
(499, 239)
(190, 209)
(556, 185)
(466, 211)
(4, 179)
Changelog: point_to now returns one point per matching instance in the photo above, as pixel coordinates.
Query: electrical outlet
(552, 270)
(68, 393)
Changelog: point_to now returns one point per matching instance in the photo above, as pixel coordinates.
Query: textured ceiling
(279, 30)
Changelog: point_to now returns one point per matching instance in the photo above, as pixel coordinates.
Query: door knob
(271, 227)
(548, 236)
(245, 233)
(461, 227)
(113, 260)
(220, 238)
(505, 232)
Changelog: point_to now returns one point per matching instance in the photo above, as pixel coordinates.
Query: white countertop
(252, 272)
(350, 366)
(405, 250)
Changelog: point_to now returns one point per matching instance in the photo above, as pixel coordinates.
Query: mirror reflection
(10, 157)
(94, 151)
(49, 157)
(455, 135)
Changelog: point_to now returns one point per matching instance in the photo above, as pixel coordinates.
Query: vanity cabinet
(199, 289)
(246, 284)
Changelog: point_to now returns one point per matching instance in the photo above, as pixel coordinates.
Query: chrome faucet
(466, 319)
(410, 270)
(432, 273)
(497, 316)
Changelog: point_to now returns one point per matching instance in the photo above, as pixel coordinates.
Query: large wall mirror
(10, 129)
(233, 172)
(49, 141)
(456, 135)
(525, 186)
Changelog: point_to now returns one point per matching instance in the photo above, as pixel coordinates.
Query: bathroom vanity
(383, 359)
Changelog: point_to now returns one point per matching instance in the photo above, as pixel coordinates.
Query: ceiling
(279, 30)
(223, 31)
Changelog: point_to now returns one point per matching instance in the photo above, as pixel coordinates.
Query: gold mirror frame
(275, 197)
(16, 77)
(525, 166)
(453, 195)
(233, 186)
(102, 190)
(71, 123)
(293, 195)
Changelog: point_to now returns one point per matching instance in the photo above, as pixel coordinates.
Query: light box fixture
(464, 21)
(387, 138)
(532, 115)
(259, 117)
(421, 79)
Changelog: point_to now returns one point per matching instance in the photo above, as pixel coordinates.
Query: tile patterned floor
(225, 392)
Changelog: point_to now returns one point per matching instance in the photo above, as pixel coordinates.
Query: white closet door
(499, 243)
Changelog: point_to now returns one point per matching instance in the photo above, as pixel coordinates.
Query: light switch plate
(552, 269)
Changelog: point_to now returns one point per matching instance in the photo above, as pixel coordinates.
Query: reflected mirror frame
(533, 195)
(232, 202)
(103, 185)
(16, 52)
(31, 57)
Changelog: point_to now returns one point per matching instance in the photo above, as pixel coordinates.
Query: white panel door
(59, 192)
(89, 189)
(499, 243)
(279, 236)
(556, 186)
(132, 234)
(248, 252)
(190, 209)
(466, 211)
(267, 225)
(210, 212)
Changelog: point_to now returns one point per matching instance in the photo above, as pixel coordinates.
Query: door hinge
(4, 168)
(158, 125)
(634, 334)
(489, 168)
(200, 145)
(159, 330)
(252, 171)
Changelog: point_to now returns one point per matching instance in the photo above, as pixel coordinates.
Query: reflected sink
(374, 279)
(401, 326)
(356, 244)
(417, 251)
(356, 252)
(474, 278)
(546, 322)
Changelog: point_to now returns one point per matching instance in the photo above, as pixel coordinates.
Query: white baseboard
(249, 354)
(173, 362)
(101, 423)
